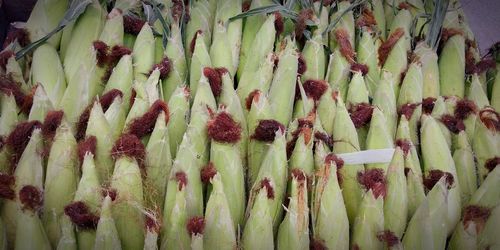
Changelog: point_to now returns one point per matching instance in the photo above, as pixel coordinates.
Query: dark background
(483, 16)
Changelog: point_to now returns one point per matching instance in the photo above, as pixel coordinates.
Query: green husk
(146, 95)
(302, 156)
(358, 94)
(199, 61)
(260, 48)
(218, 50)
(99, 127)
(452, 67)
(127, 210)
(220, 232)
(326, 110)
(230, 100)
(314, 56)
(122, 78)
(427, 228)
(367, 54)
(49, 75)
(438, 157)
(85, 31)
(68, 237)
(143, 53)
(234, 29)
(282, 91)
(369, 222)
(489, 236)
(378, 12)
(9, 118)
(385, 100)
(330, 222)
(346, 141)
(113, 31)
(116, 115)
(260, 79)
(179, 118)
(61, 181)
(66, 39)
(397, 62)
(200, 19)
(41, 105)
(430, 70)
(88, 192)
(303, 106)
(14, 71)
(476, 93)
(378, 137)
(260, 110)
(396, 199)
(106, 232)
(158, 162)
(174, 233)
(30, 233)
(411, 93)
(252, 25)
(227, 160)
(258, 232)
(338, 72)
(439, 110)
(45, 17)
(82, 87)
(466, 166)
(178, 73)
(29, 171)
(274, 169)
(294, 229)
(486, 141)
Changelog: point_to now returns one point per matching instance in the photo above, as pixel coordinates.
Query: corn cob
(50, 76)
(328, 205)
(252, 25)
(62, 176)
(477, 214)
(127, 181)
(199, 61)
(486, 142)
(369, 220)
(179, 118)
(225, 132)
(293, 232)
(385, 100)
(29, 171)
(347, 142)
(427, 227)
(175, 54)
(439, 158)
(281, 93)
(219, 232)
(106, 232)
(410, 97)
(86, 30)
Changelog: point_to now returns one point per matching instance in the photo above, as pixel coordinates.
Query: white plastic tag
(368, 156)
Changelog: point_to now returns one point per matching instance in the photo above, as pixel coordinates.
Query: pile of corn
(224, 124)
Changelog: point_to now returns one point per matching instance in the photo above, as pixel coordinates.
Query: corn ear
(260, 79)
(476, 93)
(396, 200)
(30, 233)
(106, 232)
(159, 162)
(338, 73)
(367, 54)
(85, 31)
(61, 181)
(427, 228)
(45, 17)
(369, 222)
(179, 118)
(328, 205)
(486, 141)
(200, 19)
(175, 52)
(225, 10)
(220, 232)
(258, 232)
(174, 233)
(121, 78)
(68, 237)
(452, 67)
(199, 61)
(326, 110)
(49, 75)
(346, 22)
(347, 142)
(438, 156)
(378, 137)
(127, 210)
(430, 70)
(466, 167)
(41, 105)
(143, 53)
(411, 94)
(385, 100)
(315, 58)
